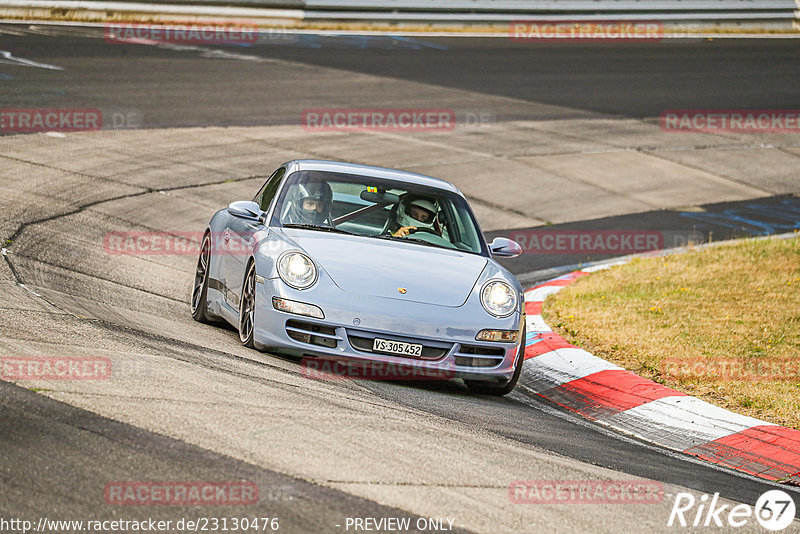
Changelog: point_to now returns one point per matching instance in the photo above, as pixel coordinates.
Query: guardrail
(758, 13)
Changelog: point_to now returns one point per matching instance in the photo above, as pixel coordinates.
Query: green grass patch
(722, 323)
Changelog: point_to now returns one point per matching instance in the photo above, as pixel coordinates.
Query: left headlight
(297, 270)
(499, 298)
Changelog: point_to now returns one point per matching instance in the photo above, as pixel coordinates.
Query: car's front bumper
(351, 324)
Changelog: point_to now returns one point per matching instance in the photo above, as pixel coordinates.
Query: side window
(267, 193)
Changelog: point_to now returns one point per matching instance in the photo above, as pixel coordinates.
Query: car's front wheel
(486, 387)
(247, 307)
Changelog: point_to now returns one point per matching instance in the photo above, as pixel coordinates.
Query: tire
(485, 387)
(200, 288)
(247, 307)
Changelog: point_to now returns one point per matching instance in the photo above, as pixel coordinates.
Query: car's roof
(369, 170)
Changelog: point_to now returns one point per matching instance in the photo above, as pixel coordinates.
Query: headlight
(499, 298)
(297, 270)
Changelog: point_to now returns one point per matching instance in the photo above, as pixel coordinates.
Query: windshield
(378, 208)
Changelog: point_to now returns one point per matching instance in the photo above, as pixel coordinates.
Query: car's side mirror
(245, 209)
(505, 248)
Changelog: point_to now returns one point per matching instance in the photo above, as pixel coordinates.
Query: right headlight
(297, 270)
(499, 298)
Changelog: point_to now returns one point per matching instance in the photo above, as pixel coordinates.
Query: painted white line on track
(8, 57)
(541, 293)
(680, 422)
(627, 437)
(560, 366)
(535, 323)
(602, 267)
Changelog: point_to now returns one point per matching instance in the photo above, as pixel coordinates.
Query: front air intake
(478, 356)
(313, 334)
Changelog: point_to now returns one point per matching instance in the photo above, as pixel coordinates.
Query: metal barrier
(503, 11)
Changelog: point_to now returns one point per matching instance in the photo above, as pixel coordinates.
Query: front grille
(431, 350)
(314, 334)
(479, 356)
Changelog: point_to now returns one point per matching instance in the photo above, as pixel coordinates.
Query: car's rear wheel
(247, 307)
(200, 288)
(486, 387)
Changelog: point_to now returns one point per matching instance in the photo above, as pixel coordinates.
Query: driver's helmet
(310, 203)
(422, 207)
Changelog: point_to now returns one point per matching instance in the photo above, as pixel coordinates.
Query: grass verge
(722, 323)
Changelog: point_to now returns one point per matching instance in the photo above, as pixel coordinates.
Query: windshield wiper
(319, 228)
(411, 239)
(390, 237)
(422, 242)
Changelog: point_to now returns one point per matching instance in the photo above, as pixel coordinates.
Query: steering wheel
(426, 230)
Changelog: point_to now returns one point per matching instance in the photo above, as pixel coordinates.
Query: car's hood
(376, 267)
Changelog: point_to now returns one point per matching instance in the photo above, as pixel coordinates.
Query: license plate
(397, 347)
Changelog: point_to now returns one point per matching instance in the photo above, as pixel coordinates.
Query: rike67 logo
(774, 510)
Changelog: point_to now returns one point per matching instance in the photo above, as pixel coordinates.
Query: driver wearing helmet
(415, 213)
(310, 204)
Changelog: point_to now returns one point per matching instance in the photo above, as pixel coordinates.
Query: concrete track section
(427, 450)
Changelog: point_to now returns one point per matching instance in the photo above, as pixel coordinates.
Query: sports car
(361, 263)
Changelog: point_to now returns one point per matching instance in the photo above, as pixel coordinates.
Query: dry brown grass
(735, 304)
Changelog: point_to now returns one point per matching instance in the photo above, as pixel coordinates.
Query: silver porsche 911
(359, 263)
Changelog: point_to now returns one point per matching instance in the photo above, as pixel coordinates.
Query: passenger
(310, 204)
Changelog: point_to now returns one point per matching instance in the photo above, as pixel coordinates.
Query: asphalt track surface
(54, 452)
(55, 456)
(621, 80)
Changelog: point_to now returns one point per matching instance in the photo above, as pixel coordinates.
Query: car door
(237, 235)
